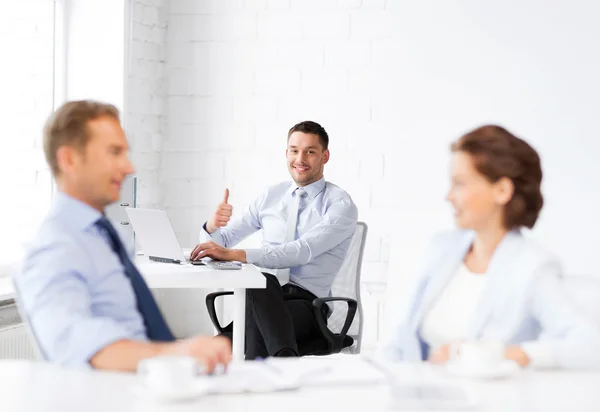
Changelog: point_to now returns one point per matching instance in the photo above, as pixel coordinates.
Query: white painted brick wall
(165, 167)
(393, 82)
(238, 78)
(146, 114)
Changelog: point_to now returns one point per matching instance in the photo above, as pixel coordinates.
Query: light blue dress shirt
(73, 287)
(326, 222)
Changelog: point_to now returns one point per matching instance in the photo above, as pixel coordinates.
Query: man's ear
(325, 156)
(65, 159)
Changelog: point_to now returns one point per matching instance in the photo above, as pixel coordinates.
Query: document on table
(249, 377)
(278, 374)
(320, 371)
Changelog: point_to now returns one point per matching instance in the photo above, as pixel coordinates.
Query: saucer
(502, 369)
(195, 390)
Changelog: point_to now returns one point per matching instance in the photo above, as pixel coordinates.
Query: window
(31, 82)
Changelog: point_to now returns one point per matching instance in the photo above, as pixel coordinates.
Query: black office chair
(343, 329)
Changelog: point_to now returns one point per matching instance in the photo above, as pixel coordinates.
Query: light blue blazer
(522, 303)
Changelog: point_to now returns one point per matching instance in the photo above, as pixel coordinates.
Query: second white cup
(477, 354)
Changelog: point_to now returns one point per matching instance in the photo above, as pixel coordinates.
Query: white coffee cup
(477, 354)
(167, 374)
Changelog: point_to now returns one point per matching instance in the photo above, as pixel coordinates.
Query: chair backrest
(347, 285)
(39, 354)
(584, 293)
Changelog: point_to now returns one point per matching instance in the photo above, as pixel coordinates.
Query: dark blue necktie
(156, 327)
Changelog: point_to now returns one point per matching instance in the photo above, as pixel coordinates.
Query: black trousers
(277, 317)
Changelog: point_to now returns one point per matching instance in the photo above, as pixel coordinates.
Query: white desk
(32, 387)
(168, 275)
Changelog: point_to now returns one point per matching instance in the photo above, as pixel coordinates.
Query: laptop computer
(157, 238)
(156, 235)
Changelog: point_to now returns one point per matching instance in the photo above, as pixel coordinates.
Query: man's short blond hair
(68, 126)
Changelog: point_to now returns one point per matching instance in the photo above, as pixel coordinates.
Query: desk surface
(169, 275)
(28, 386)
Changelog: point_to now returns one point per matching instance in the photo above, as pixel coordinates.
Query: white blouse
(448, 318)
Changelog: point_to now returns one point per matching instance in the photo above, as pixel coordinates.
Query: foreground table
(169, 275)
(33, 387)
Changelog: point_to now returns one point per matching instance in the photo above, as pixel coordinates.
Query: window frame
(8, 264)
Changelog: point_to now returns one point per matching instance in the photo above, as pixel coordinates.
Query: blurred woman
(486, 281)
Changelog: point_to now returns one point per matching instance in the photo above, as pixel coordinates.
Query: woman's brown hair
(496, 154)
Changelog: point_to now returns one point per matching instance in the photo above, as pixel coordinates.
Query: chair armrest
(212, 311)
(334, 340)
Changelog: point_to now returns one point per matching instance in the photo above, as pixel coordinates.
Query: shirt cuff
(99, 333)
(210, 237)
(540, 354)
(253, 256)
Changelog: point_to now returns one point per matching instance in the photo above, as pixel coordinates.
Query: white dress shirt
(326, 222)
(448, 319)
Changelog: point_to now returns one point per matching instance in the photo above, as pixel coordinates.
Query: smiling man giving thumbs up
(307, 227)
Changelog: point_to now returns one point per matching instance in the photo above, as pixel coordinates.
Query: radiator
(14, 343)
